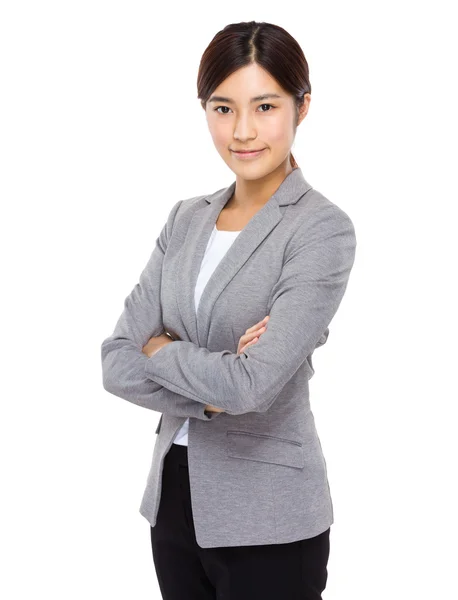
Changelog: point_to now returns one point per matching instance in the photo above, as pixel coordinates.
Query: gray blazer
(257, 471)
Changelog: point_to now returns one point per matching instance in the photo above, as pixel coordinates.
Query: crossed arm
(183, 379)
(156, 343)
(305, 299)
(123, 362)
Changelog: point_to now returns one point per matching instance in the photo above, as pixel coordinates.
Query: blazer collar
(292, 188)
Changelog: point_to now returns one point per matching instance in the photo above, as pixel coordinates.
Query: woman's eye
(218, 107)
(225, 113)
(266, 105)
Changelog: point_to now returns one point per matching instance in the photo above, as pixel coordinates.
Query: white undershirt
(218, 244)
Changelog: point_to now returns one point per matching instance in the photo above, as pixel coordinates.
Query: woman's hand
(252, 335)
(155, 343)
(249, 338)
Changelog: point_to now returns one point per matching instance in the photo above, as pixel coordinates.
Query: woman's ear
(303, 110)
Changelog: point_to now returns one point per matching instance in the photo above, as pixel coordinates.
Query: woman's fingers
(249, 336)
(255, 330)
(252, 334)
(249, 343)
(257, 325)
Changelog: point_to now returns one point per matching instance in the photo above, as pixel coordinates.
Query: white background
(101, 134)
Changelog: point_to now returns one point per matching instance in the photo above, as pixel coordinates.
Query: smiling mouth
(247, 151)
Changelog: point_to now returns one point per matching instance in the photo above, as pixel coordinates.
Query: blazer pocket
(264, 448)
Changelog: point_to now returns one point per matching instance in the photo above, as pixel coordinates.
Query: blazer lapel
(293, 187)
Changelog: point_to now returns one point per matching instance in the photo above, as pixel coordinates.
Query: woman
(218, 336)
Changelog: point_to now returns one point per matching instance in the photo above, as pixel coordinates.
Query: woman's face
(240, 120)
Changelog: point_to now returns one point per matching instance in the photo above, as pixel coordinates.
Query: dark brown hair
(268, 45)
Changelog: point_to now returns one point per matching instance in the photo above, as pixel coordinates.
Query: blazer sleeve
(123, 362)
(314, 276)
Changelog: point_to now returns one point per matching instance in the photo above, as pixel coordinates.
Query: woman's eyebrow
(255, 99)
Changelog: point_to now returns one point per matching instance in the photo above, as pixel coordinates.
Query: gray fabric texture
(257, 470)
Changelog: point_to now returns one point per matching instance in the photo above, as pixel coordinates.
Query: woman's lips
(247, 155)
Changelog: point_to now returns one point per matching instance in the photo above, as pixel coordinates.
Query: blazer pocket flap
(265, 448)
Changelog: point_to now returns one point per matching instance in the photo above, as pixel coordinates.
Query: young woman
(218, 336)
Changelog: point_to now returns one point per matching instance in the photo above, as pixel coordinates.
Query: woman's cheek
(279, 133)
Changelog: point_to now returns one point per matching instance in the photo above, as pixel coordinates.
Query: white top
(218, 244)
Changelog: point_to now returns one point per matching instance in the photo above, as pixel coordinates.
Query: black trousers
(185, 571)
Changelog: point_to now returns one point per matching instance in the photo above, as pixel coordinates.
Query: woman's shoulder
(319, 203)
